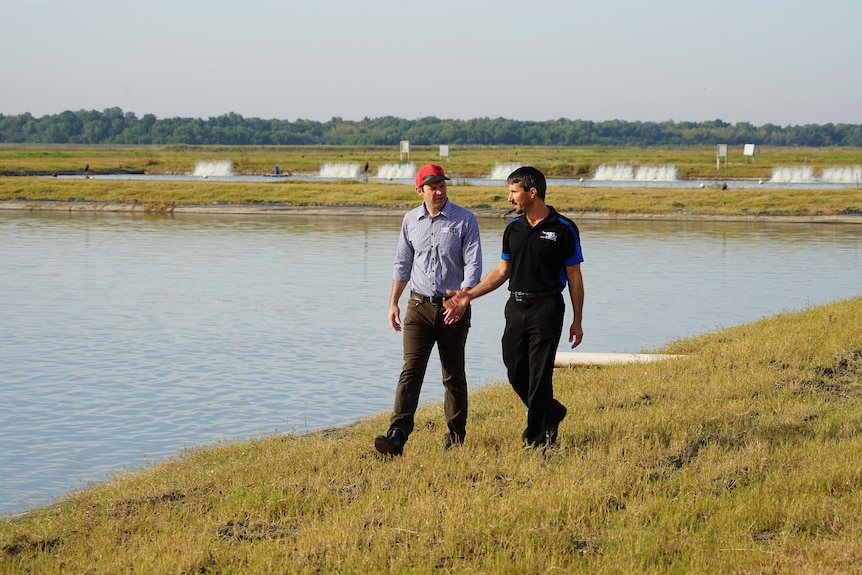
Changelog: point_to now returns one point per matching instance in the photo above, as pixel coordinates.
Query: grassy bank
(36, 193)
(741, 457)
(691, 162)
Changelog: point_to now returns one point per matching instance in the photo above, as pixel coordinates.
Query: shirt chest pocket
(447, 237)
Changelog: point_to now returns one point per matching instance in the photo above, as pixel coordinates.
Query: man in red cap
(438, 250)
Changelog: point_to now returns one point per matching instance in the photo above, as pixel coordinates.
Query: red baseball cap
(429, 174)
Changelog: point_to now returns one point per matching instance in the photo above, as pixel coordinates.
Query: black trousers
(530, 340)
(422, 328)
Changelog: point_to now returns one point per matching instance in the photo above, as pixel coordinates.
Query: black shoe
(392, 443)
(451, 439)
(554, 427)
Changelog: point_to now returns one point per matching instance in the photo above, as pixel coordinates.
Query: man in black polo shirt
(541, 255)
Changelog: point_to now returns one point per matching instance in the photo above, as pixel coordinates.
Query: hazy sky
(784, 62)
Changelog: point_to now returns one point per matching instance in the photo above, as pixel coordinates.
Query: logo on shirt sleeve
(548, 235)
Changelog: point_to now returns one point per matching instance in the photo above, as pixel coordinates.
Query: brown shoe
(392, 443)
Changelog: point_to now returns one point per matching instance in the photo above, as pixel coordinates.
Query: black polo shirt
(539, 255)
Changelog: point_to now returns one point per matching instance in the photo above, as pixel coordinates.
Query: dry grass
(165, 195)
(741, 457)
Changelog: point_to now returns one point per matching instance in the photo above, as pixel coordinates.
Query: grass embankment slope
(740, 457)
(176, 196)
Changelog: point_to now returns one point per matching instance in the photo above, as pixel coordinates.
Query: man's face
(434, 194)
(519, 197)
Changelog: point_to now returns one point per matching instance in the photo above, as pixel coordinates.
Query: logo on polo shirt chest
(548, 235)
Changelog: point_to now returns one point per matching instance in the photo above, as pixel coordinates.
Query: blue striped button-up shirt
(440, 253)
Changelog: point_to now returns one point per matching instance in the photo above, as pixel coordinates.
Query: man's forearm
(397, 290)
(489, 283)
(576, 289)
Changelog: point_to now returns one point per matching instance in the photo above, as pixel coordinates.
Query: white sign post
(444, 151)
(720, 152)
(748, 150)
(405, 149)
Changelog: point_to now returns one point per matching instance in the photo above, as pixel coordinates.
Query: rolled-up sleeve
(472, 254)
(403, 255)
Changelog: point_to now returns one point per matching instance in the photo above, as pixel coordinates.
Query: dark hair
(529, 177)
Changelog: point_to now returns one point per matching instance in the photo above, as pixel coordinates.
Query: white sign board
(748, 150)
(405, 149)
(444, 151)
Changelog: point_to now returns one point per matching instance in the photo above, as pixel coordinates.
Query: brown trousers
(422, 328)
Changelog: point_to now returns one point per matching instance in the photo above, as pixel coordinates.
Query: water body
(125, 338)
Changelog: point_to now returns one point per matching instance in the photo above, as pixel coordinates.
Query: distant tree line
(113, 126)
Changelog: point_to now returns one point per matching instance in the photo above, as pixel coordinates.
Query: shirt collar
(552, 215)
(423, 213)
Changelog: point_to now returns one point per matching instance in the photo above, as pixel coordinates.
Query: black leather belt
(435, 299)
(522, 296)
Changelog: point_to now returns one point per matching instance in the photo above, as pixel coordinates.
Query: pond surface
(126, 338)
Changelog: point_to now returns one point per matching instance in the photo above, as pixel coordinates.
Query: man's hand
(576, 333)
(455, 306)
(395, 317)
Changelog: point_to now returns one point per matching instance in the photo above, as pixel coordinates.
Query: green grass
(740, 457)
(162, 195)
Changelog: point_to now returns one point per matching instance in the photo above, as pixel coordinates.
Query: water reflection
(128, 337)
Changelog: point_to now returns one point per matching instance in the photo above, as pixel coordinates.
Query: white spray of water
(340, 171)
(623, 173)
(502, 171)
(848, 175)
(216, 169)
(614, 173)
(396, 171)
(792, 175)
(655, 174)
